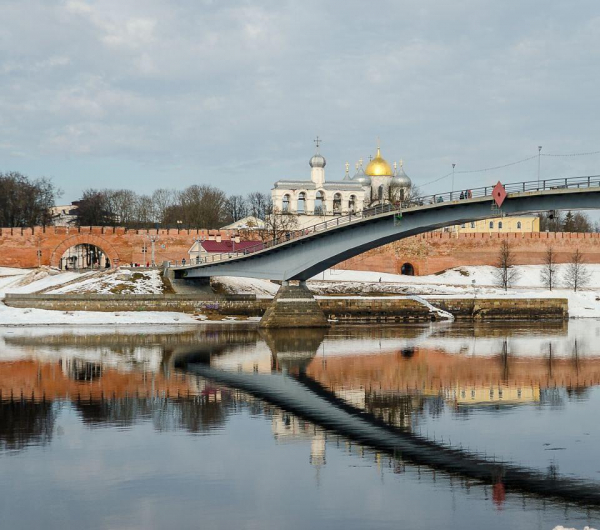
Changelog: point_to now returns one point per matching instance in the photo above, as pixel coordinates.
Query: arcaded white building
(318, 198)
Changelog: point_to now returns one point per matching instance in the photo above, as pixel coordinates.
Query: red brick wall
(434, 252)
(19, 246)
(428, 253)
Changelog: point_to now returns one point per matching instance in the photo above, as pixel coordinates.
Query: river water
(227, 427)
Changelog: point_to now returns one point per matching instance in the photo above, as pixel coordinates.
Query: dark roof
(226, 246)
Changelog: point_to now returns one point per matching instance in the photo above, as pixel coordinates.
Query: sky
(149, 94)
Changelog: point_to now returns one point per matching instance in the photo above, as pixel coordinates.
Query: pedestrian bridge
(304, 253)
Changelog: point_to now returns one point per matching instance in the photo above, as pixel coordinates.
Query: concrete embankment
(342, 309)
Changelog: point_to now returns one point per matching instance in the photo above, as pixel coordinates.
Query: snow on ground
(8, 271)
(103, 282)
(461, 282)
(8, 281)
(48, 280)
(118, 282)
(33, 280)
(528, 276)
(12, 316)
(232, 285)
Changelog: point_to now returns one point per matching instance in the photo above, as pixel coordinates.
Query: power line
(480, 170)
(436, 180)
(507, 165)
(574, 154)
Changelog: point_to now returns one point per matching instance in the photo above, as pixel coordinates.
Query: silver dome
(401, 179)
(360, 177)
(317, 160)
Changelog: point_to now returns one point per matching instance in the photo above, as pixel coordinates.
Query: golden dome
(378, 167)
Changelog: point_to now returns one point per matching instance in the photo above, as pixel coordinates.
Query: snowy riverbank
(462, 282)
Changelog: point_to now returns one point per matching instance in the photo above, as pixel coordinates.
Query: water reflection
(25, 422)
(451, 384)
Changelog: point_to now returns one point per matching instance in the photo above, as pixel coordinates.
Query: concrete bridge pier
(294, 306)
(188, 285)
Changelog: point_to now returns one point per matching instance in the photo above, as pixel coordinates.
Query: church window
(380, 193)
(491, 224)
(472, 224)
(301, 202)
(352, 203)
(500, 225)
(337, 203)
(320, 203)
(518, 225)
(285, 205)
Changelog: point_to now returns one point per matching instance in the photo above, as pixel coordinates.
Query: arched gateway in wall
(85, 239)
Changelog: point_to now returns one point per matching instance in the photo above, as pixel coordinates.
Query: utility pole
(452, 194)
(539, 163)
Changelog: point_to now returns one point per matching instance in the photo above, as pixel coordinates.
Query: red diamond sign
(499, 194)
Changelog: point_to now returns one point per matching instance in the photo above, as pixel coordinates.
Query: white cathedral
(373, 185)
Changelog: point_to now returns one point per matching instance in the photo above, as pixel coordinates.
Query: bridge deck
(410, 218)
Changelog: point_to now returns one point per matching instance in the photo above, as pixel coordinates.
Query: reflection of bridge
(308, 399)
(310, 251)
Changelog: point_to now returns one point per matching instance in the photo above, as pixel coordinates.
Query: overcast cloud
(147, 94)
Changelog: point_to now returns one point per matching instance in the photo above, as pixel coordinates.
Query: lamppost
(153, 240)
(539, 163)
(179, 223)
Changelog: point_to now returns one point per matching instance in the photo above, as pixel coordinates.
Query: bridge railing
(420, 200)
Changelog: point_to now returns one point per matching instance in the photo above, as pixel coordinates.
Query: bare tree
(505, 273)
(122, 206)
(259, 204)
(278, 225)
(25, 202)
(577, 275)
(236, 208)
(162, 200)
(549, 271)
(199, 207)
(582, 223)
(551, 221)
(93, 209)
(144, 211)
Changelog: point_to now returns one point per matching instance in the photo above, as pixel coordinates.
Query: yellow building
(499, 225)
(493, 394)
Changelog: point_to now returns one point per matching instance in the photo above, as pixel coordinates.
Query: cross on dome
(317, 161)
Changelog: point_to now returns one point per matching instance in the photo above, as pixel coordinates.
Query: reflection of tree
(555, 397)
(84, 371)
(197, 414)
(25, 423)
(577, 392)
(395, 409)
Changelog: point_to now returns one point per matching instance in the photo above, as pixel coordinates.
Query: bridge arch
(85, 239)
